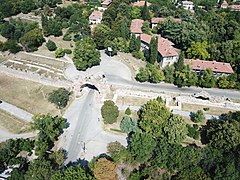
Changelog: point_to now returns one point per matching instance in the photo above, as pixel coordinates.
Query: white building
(95, 17)
(167, 55)
(188, 5)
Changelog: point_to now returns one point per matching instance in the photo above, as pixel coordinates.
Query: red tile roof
(219, 67)
(106, 2)
(224, 4)
(235, 7)
(157, 20)
(140, 3)
(96, 15)
(164, 45)
(136, 26)
(83, 3)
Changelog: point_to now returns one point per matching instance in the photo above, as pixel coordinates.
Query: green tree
(192, 173)
(223, 82)
(198, 116)
(39, 169)
(59, 53)
(51, 45)
(145, 12)
(169, 74)
(86, 55)
(102, 33)
(128, 111)
(152, 116)
(223, 134)
(142, 146)
(109, 112)
(153, 50)
(198, 50)
(142, 75)
(72, 172)
(146, 28)
(207, 79)
(155, 74)
(12, 46)
(57, 158)
(127, 125)
(59, 97)
(115, 149)
(174, 129)
(32, 40)
(49, 129)
(135, 12)
(132, 44)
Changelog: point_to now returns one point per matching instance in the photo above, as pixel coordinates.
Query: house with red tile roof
(224, 4)
(235, 7)
(140, 3)
(106, 3)
(155, 21)
(95, 17)
(136, 26)
(167, 54)
(218, 68)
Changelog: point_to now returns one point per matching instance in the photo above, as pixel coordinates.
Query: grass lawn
(28, 95)
(13, 124)
(212, 110)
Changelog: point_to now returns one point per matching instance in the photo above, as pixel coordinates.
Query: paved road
(169, 88)
(15, 111)
(84, 125)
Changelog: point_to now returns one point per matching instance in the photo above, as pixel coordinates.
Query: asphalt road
(86, 126)
(169, 88)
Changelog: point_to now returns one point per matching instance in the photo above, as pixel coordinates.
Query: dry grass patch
(13, 124)
(28, 95)
(130, 100)
(217, 111)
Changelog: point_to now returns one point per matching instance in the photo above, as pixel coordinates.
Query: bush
(109, 112)
(51, 45)
(59, 97)
(59, 53)
(68, 51)
(67, 37)
(139, 55)
(12, 46)
(193, 131)
(127, 125)
(206, 109)
(198, 116)
(128, 111)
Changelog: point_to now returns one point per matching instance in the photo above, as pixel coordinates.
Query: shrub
(206, 109)
(193, 131)
(127, 125)
(128, 111)
(139, 55)
(198, 116)
(59, 53)
(12, 46)
(68, 51)
(109, 112)
(51, 45)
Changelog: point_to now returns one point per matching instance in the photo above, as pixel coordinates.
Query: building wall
(95, 21)
(188, 6)
(168, 61)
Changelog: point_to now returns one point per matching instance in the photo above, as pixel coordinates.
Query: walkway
(15, 111)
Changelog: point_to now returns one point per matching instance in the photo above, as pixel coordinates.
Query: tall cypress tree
(145, 12)
(138, 44)
(153, 50)
(124, 30)
(132, 44)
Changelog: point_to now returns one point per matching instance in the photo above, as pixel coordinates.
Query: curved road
(166, 88)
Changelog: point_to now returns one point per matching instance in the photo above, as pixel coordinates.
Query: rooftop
(157, 20)
(106, 2)
(235, 7)
(164, 45)
(96, 15)
(140, 3)
(136, 26)
(219, 67)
